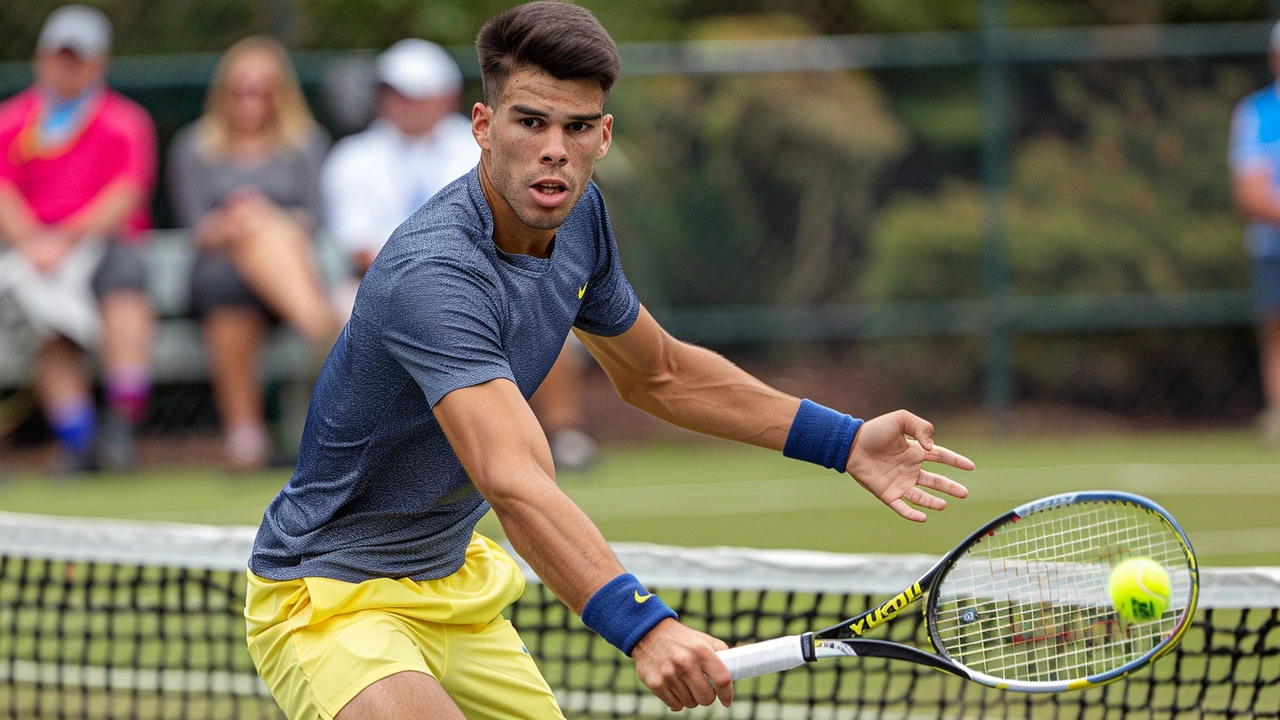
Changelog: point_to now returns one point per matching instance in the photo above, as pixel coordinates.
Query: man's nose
(554, 153)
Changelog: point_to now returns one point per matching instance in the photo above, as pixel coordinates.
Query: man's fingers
(681, 693)
(917, 427)
(925, 500)
(664, 694)
(942, 484)
(939, 454)
(702, 691)
(901, 507)
(716, 671)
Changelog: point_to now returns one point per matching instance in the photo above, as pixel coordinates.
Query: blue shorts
(1266, 287)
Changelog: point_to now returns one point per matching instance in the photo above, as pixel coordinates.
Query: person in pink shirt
(77, 170)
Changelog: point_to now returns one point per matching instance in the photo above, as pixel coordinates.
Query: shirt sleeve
(140, 151)
(609, 305)
(1246, 154)
(11, 122)
(310, 199)
(351, 210)
(441, 320)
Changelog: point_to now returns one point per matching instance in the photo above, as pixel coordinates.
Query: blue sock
(73, 424)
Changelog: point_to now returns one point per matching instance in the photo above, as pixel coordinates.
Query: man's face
(251, 91)
(67, 74)
(415, 116)
(541, 143)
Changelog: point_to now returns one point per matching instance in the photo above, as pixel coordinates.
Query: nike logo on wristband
(642, 598)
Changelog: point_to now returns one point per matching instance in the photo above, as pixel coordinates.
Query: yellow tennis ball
(1140, 589)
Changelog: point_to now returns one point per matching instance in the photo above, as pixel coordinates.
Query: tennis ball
(1140, 589)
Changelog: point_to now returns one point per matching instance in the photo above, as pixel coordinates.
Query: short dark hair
(561, 38)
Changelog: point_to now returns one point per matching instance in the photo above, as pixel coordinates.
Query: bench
(179, 353)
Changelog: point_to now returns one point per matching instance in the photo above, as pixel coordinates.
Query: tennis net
(113, 619)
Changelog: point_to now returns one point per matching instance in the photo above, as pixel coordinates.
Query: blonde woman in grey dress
(244, 177)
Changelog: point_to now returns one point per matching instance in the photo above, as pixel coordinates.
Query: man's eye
(529, 122)
(577, 126)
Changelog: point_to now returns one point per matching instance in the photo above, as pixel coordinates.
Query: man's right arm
(1253, 170)
(349, 190)
(17, 221)
(505, 453)
(1256, 195)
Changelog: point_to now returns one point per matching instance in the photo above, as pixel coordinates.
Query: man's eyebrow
(534, 112)
(526, 110)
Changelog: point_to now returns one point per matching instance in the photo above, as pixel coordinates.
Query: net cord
(205, 547)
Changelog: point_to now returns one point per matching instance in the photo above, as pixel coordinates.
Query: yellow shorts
(318, 642)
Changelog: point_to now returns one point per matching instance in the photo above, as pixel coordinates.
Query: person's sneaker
(248, 448)
(116, 450)
(573, 450)
(66, 464)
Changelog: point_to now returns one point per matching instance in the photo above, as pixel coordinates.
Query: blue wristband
(622, 612)
(821, 436)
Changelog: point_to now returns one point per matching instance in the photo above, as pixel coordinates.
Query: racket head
(1022, 604)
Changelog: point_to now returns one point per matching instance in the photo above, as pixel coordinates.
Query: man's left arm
(108, 212)
(700, 390)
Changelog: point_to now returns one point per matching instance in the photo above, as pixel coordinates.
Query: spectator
(376, 179)
(245, 178)
(77, 169)
(418, 143)
(1255, 170)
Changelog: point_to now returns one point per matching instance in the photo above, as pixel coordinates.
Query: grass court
(1220, 485)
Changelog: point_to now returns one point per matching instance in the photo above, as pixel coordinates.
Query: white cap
(418, 69)
(83, 30)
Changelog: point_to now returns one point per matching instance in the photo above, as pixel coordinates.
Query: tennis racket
(1022, 604)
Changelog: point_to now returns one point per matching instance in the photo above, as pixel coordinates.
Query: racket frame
(844, 638)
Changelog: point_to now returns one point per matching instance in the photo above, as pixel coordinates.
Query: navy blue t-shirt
(378, 491)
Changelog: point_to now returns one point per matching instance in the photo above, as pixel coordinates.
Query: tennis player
(370, 595)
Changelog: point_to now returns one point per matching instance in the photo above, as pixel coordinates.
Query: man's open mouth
(550, 187)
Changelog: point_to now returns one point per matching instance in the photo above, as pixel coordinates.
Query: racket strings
(1029, 602)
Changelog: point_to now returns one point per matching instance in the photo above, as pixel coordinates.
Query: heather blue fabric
(378, 492)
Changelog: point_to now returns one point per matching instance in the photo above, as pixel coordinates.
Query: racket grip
(762, 658)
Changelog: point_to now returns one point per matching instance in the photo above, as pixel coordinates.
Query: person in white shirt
(419, 142)
(374, 180)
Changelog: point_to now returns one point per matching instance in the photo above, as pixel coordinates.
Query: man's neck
(56, 98)
(511, 235)
(415, 137)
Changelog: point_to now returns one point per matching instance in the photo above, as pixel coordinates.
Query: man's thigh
(406, 695)
(123, 267)
(314, 671)
(491, 676)
(317, 670)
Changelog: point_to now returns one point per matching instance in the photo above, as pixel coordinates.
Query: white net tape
(227, 548)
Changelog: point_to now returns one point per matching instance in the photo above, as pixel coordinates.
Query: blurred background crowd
(1020, 213)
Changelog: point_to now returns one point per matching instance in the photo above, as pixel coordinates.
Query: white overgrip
(763, 658)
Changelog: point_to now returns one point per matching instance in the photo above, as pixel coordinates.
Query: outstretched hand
(886, 459)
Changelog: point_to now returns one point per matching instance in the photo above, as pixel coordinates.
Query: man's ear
(481, 121)
(606, 136)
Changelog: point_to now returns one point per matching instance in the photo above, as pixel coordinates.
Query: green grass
(1220, 486)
